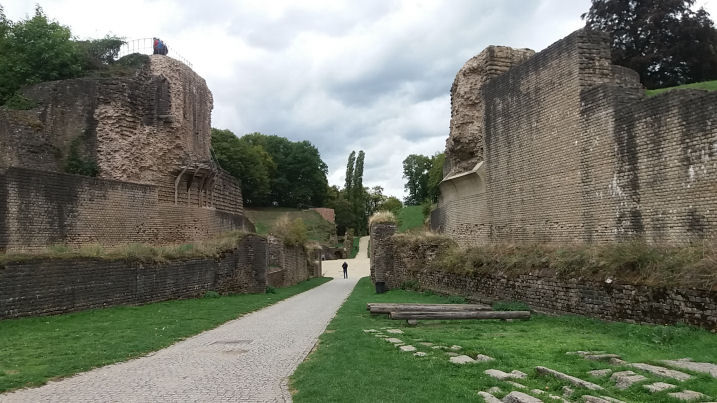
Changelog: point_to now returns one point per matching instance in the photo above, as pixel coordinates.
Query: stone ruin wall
(141, 131)
(543, 292)
(464, 147)
(573, 151)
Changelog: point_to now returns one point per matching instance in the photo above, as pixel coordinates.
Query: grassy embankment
(35, 350)
(350, 365)
(318, 229)
(410, 217)
(705, 85)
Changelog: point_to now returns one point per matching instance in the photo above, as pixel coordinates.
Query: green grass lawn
(410, 217)
(350, 365)
(355, 247)
(318, 229)
(705, 85)
(35, 350)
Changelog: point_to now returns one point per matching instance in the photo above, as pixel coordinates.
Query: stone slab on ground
(426, 344)
(495, 390)
(462, 359)
(520, 397)
(601, 399)
(483, 358)
(601, 357)
(394, 331)
(516, 385)
(687, 395)
(370, 330)
(658, 386)
(500, 375)
(688, 364)
(662, 371)
(452, 354)
(599, 373)
(420, 354)
(573, 380)
(488, 398)
(408, 349)
(625, 379)
(394, 340)
(455, 347)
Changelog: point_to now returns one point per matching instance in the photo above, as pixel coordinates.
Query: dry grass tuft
(383, 216)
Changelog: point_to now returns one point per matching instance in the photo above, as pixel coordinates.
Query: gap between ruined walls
(612, 301)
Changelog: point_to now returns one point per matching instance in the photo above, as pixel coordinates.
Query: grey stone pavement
(247, 359)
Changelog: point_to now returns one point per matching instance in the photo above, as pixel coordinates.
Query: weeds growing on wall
(635, 262)
(135, 251)
(383, 216)
(292, 232)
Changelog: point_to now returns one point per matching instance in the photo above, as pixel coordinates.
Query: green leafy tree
(345, 217)
(249, 163)
(435, 176)
(374, 200)
(97, 54)
(300, 178)
(415, 171)
(663, 40)
(35, 50)
(391, 204)
(350, 171)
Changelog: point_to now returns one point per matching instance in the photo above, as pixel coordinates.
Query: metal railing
(146, 46)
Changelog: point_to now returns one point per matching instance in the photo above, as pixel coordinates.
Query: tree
(663, 40)
(391, 204)
(350, 171)
(435, 176)
(415, 171)
(249, 163)
(33, 51)
(300, 178)
(374, 200)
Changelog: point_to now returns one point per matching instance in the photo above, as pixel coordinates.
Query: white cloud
(372, 75)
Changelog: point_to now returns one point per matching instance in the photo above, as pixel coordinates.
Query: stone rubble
(658, 386)
(568, 391)
(625, 379)
(500, 375)
(408, 349)
(370, 330)
(462, 359)
(687, 395)
(394, 331)
(601, 399)
(662, 371)
(520, 397)
(425, 343)
(488, 398)
(687, 363)
(394, 340)
(420, 354)
(455, 347)
(599, 373)
(483, 358)
(516, 385)
(573, 380)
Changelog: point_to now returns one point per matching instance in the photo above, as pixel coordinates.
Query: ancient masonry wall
(548, 294)
(573, 151)
(39, 208)
(60, 286)
(290, 264)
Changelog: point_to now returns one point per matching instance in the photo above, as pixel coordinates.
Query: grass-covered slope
(318, 228)
(410, 217)
(705, 85)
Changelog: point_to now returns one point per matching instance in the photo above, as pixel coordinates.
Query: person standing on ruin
(346, 269)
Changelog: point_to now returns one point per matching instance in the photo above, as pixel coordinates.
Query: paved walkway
(247, 359)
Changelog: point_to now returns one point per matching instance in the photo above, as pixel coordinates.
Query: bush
(270, 290)
(510, 306)
(211, 294)
(293, 233)
(20, 102)
(456, 299)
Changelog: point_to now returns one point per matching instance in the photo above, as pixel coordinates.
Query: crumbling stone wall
(40, 208)
(546, 293)
(59, 286)
(464, 147)
(574, 152)
(381, 250)
(290, 264)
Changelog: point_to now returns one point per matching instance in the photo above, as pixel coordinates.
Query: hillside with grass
(410, 218)
(318, 229)
(705, 85)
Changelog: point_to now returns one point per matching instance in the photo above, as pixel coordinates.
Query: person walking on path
(346, 268)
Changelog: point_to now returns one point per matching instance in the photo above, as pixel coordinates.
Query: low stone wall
(549, 294)
(59, 286)
(289, 265)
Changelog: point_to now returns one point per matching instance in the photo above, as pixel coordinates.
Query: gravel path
(247, 359)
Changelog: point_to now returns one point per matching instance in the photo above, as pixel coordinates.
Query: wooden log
(388, 308)
(461, 315)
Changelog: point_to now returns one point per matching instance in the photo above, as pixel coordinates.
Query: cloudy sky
(346, 75)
